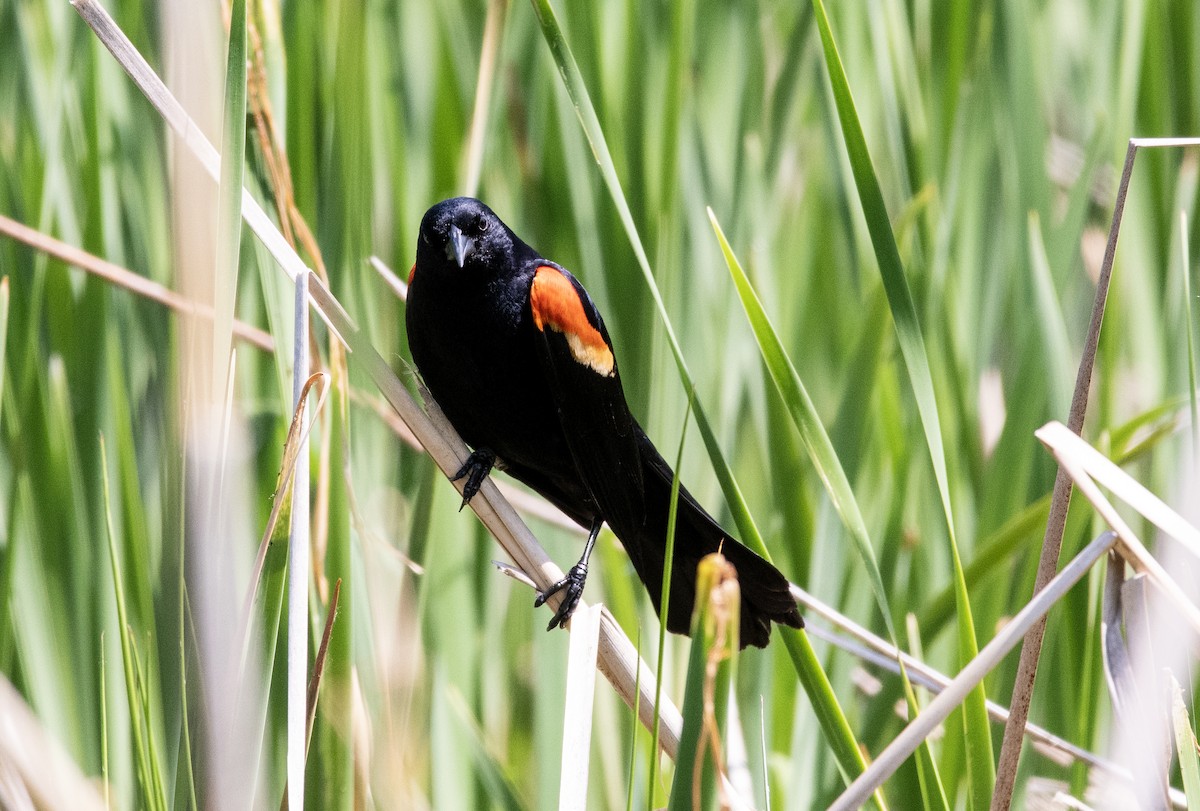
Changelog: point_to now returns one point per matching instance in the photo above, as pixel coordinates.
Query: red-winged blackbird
(517, 356)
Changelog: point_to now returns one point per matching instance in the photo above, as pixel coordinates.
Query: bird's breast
(475, 351)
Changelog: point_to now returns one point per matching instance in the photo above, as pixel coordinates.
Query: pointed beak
(460, 246)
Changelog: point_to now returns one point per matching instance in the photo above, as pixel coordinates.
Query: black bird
(517, 356)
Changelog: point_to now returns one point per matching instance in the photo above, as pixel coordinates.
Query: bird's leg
(572, 584)
(475, 470)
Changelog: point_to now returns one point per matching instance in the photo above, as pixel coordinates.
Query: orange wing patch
(555, 304)
(411, 273)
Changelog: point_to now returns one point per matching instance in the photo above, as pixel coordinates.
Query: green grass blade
(573, 80)
(981, 761)
(838, 733)
(1056, 344)
(147, 768)
(829, 469)
(665, 602)
(229, 204)
(264, 620)
(711, 670)
(3, 331)
(808, 423)
(497, 786)
(185, 772)
(837, 730)
(904, 313)
(338, 689)
(1185, 747)
(104, 775)
(159, 789)
(1019, 532)
(834, 724)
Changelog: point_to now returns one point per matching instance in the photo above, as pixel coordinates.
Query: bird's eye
(482, 224)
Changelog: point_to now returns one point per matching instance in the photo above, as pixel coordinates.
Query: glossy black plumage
(517, 356)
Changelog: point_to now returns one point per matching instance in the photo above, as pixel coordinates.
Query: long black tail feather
(766, 596)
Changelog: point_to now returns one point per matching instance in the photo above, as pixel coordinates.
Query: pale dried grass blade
(127, 279)
(1104, 471)
(577, 720)
(298, 432)
(1067, 450)
(299, 555)
(1185, 744)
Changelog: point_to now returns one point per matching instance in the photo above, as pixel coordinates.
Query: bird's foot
(572, 588)
(477, 467)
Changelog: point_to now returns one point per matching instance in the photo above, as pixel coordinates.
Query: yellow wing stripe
(555, 304)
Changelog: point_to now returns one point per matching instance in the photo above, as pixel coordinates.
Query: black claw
(477, 467)
(572, 588)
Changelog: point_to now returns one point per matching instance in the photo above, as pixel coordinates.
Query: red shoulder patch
(412, 272)
(555, 303)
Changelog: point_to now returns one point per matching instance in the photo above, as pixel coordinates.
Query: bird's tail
(766, 595)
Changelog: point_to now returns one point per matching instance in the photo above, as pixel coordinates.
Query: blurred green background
(997, 131)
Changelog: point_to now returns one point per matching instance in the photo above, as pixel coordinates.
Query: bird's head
(463, 234)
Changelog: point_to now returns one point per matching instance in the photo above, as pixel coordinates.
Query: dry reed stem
(577, 716)
(127, 279)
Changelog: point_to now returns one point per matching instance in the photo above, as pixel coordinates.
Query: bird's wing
(578, 359)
